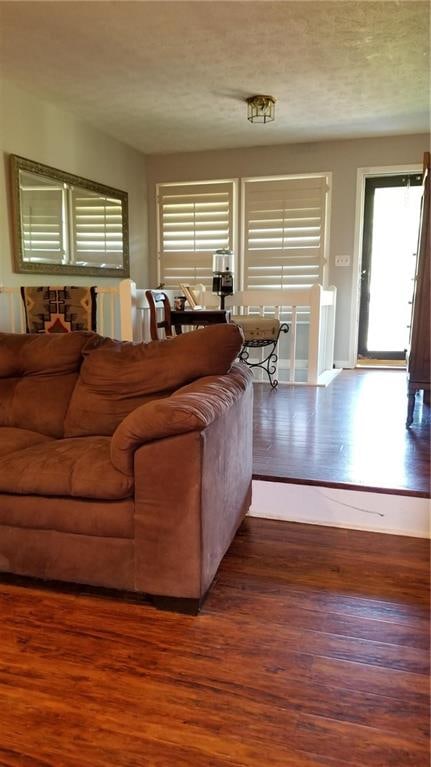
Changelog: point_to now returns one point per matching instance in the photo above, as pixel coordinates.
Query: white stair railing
(314, 306)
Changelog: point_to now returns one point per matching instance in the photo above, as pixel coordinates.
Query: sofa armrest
(191, 408)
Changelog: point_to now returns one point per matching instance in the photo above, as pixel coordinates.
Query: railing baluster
(101, 313)
(11, 312)
(112, 312)
(314, 334)
(292, 333)
(21, 312)
(128, 310)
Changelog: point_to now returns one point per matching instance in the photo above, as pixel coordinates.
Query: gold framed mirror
(66, 224)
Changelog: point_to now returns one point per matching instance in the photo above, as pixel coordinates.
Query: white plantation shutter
(42, 224)
(194, 221)
(284, 232)
(97, 229)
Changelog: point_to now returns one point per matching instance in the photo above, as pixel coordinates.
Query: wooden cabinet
(419, 355)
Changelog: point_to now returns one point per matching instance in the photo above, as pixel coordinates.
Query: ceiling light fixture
(261, 109)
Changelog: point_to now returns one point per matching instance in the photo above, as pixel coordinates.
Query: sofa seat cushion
(78, 467)
(80, 516)
(12, 439)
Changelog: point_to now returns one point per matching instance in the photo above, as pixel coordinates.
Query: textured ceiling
(173, 76)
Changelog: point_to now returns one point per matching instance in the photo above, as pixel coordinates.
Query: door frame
(361, 176)
(371, 185)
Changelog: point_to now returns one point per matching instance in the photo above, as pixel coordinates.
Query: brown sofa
(123, 466)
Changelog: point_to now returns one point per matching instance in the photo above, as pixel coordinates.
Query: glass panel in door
(391, 222)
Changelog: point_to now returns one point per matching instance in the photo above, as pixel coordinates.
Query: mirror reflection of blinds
(284, 232)
(195, 220)
(42, 224)
(97, 229)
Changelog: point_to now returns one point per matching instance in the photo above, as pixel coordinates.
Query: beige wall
(342, 158)
(39, 131)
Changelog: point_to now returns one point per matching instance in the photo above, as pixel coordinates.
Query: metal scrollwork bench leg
(269, 364)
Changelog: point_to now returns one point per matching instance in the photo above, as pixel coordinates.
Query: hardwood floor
(311, 650)
(351, 433)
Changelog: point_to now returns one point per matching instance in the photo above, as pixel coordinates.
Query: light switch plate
(342, 260)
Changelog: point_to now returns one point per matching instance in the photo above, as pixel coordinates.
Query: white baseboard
(345, 364)
(335, 507)
(324, 378)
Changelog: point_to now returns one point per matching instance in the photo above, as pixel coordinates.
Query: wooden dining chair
(158, 300)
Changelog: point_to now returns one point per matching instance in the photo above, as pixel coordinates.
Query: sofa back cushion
(37, 376)
(120, 376)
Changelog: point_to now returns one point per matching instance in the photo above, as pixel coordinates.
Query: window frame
(233, 234)
(327, 176)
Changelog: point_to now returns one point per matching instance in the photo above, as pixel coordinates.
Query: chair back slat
(159, 300)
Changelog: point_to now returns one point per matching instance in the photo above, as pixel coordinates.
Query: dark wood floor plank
(11, 758)
(371, 710)
(401, 685)
(157, 713)
(299, 659)
(409, 659)
(349, 433)
(336, 538)
(237, 633)
(319, 566)
(357, 744)
(360, 607)
(297, 617)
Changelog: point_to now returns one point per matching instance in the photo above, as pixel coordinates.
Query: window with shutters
(43, 220)
(284, 231)
(194, 220)
(97, 229)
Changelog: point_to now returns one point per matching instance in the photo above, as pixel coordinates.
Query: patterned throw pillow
(59, 309)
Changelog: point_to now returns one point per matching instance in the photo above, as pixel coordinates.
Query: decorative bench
(259, 333)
